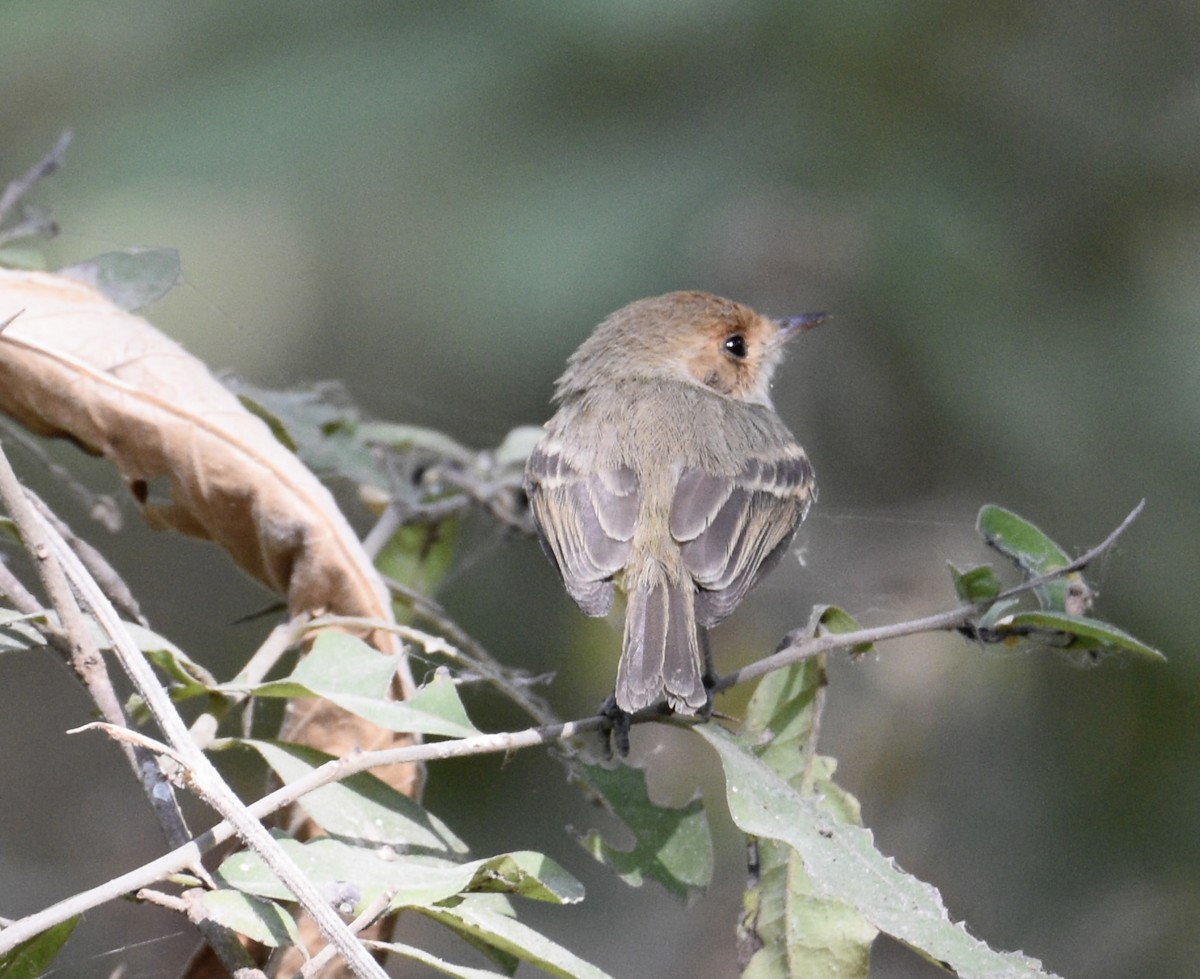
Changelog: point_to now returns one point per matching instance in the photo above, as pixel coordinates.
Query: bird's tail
(661, 657)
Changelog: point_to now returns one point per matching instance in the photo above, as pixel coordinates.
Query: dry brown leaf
(73, 365)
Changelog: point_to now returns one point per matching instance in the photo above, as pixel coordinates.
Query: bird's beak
(798, 324)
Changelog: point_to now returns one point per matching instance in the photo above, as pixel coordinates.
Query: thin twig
(110, 582)
(497, 496)
(279, 640)
(171, 902)
(4, 325)
(123, 734)
(101, 507)
(1081, 562)
(387, 525)
(367, 917)
(18, 188)
(22, 598)
(418, 602)
(222, 940)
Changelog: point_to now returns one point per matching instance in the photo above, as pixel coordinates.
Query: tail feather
(662, 654)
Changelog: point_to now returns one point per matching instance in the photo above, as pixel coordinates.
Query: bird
(666, 476)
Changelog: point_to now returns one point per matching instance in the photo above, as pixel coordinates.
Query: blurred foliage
(434, 203)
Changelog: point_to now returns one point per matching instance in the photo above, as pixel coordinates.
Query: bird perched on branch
(666, 475)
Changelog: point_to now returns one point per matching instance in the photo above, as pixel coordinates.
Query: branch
(796, 647)
(111, 583)
(18, 188)
(369, 915)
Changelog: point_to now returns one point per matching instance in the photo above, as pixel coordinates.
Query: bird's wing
(732, 529)
(585, 522)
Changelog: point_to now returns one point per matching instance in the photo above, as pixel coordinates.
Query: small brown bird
(667, 475)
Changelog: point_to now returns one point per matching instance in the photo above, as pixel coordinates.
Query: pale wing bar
(733, 529)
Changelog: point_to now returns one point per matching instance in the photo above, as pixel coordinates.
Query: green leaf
(494, 904)
(790, 928)
(440, 964)
(350, 876)
(344, 664)
(133, 278)
(479, 921)
(189, 678)
(419, 555)
(31, 959)
(439, 698)
(843, 864)
(780, 716)
(264, 921)
(795, 930)
(407, 437)
(357, 677)
(1079, 632)
(1035, 554)
(353, 876)
(319, 423)
(1020, 540)
(18, 633)
(22, 257)
(528, 874)
(976, 584)
(831, 619)
(361, 807)
(672, 846)
(997, 612)
(274, 422)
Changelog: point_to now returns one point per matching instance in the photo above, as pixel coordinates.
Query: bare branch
(112, 584)
(370, 914)
(280, 639)
(22, 598)
(18, 188)
(5, 323)
(223, 941)
(100, 507)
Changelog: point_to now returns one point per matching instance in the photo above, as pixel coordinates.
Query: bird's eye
(735, 346)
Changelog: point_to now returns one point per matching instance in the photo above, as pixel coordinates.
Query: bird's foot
(615, 737)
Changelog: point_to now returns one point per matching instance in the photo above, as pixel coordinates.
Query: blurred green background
(1000, 203)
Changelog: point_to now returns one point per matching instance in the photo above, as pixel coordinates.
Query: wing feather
(733, 529)
(585, 523)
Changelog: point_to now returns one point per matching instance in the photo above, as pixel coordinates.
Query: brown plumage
(666, 474)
